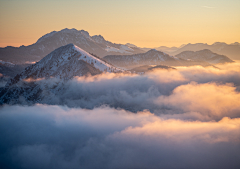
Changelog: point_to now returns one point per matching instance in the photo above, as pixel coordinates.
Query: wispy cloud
(209, 7)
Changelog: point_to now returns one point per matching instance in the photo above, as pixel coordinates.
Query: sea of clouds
(184, 118)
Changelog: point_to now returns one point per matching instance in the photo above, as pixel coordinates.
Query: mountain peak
(69, 30)
(236, 43)
(65, 63)
(55, 39)
(98, 38)
(153, 50)
(64, 31)
(205, 50)
(85, 33)
(219, 43)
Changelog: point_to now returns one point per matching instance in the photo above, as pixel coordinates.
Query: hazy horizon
(127, 42)
(143, 23)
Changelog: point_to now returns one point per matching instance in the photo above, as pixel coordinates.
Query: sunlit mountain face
(129, 86)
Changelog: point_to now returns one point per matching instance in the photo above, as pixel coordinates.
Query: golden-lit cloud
(29, 80)
(210, 99)
(166, 76)
(194, 92)
(102, 77)
(226, 130)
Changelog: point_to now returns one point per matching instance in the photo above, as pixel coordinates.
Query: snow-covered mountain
(62, 64)
(230, 50)
(51, 41)
(65, 63)
(204, 55)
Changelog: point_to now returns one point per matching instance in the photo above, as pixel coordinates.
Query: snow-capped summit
(51, 41)
(65, 63)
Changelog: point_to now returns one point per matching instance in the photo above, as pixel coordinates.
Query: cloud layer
(189, 118)
(59, 137)
(191, 89)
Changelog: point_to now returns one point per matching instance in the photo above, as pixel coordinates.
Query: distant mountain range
(51, 41)
(99, 46)
(161, 48)
(152, 57)
(204, 55)
(155, 57)
(230, 50)
(63, 64)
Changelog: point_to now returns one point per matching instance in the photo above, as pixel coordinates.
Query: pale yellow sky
(145, 23)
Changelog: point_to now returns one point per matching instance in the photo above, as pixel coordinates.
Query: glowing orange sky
(145, 23)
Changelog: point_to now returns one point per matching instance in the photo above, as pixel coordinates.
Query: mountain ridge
(62, 65)
(155, 57)
(230, 50)
(65, 63)
(93, 44)
(151, 57)
(204, 55)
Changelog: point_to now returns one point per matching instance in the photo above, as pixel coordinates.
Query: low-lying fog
(184, 118)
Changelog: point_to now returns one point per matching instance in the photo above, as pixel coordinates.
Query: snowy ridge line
(98, 63)
(65, 63)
